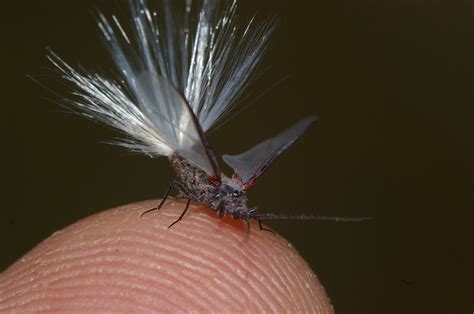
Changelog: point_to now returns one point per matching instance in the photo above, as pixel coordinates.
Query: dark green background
(392, 84)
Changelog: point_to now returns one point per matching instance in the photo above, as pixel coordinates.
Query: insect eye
(236, 193)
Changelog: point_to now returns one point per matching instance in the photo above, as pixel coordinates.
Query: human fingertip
(119, 260)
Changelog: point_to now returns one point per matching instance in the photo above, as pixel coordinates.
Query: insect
(180, 72)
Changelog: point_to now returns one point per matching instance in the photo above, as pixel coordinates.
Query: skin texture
(117, 261)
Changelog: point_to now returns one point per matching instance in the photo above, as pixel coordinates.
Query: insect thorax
(223, 196)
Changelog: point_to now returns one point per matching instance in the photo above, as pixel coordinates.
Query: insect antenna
(271, 216)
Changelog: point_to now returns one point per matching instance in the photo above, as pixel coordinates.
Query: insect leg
(247, 222)
(182, 214)
(263, 228)
(163, 200)
(247, 233)
(220, 210)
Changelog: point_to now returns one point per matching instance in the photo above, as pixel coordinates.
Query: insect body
(227, 195)
(224, 196)
(180, 72)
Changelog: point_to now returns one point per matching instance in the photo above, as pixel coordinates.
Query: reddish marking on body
(226, 220)
(248, 185)
(213, 179)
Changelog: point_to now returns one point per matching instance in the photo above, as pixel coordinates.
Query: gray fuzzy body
(221, 195)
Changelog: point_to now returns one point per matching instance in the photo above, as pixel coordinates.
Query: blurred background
(392, 83)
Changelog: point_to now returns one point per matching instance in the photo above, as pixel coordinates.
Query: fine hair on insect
(181, 67)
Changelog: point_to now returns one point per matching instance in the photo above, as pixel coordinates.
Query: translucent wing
(250, 165)
(172, 117)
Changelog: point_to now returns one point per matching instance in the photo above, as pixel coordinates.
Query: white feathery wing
(181, 72)
(153, 130)
(250, 165)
